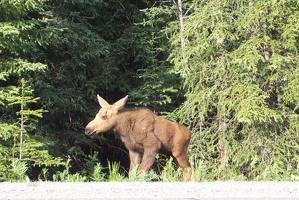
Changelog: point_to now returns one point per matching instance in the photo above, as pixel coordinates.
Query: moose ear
(102, 102)
(121, 103)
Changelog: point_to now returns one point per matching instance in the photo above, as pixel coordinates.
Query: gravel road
(150, 190)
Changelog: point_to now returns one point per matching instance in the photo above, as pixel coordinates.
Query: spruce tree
(22, 38)
(241, 81)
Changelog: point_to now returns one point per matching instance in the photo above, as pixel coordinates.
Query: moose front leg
(135, 159)
(147, 161)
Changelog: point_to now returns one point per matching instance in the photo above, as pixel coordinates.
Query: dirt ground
(150, 190)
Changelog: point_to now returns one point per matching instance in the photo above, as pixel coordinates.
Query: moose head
(106, 118)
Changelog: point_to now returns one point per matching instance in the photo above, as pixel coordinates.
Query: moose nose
(89, 131)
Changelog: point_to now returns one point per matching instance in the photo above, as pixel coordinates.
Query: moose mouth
(90, 133)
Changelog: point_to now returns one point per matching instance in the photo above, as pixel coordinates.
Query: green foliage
(158, 86)
(242, 58)
(66, 176)
(170, 172)
(114, 172)
(19, 148)
(136, 175)
(97, 174)
(45, 174)
(235, 65)
(18, 171)
(200, 171)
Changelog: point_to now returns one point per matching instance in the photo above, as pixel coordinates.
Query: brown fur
(142, 132)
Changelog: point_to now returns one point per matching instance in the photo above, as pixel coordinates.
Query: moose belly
(139, 146)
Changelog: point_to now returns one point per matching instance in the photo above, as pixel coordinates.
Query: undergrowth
(168, 172)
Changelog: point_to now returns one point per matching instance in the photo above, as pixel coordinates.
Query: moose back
(143, 133)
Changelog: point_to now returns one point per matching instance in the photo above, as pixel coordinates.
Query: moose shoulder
(143, 133)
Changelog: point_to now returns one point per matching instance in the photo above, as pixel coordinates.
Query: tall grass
(18, 171)
(114, 172)
(168, 172)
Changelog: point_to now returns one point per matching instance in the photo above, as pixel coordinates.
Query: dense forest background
(228, 69)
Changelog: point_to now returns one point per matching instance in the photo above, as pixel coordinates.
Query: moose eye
(104, 117)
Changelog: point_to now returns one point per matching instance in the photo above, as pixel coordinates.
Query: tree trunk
(22, 129)
(179, 4)
(222, 131)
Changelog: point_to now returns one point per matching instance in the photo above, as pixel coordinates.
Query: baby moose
(143, 133)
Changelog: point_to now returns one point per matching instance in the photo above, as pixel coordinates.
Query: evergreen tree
(157, 84)
(20, 149)
(241, 81)
(22, 37)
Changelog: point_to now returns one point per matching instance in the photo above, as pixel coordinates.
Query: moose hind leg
(183, 162)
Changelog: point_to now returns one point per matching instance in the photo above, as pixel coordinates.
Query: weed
(98, 174)
(170, 172)
(136, 175)
(65, 175)
(19, 171)
(114, 174)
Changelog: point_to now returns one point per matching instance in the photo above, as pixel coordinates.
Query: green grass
(168, 172)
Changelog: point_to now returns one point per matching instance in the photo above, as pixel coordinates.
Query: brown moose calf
(142, 132)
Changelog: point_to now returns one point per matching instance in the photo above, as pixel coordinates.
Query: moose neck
(125, 121)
